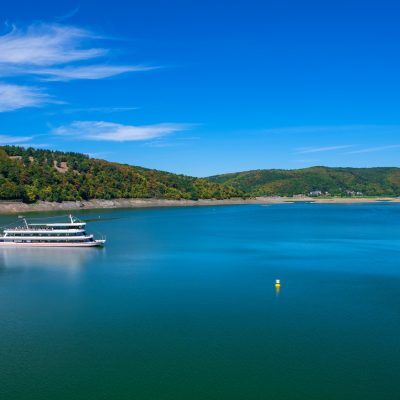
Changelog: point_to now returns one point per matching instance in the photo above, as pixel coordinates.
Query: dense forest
(317, 181)
(31, 175)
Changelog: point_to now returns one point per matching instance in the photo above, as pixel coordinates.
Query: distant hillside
(315, 180)
(30, 175)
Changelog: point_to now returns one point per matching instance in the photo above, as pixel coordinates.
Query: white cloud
(7, 139)
(333, 129)
(51, 52)
(56, 52)
(46, 45)
(374, 149)
(69, 14)
(110, 131)
(307, 161)
(14, 97)
(318, 129)
(88, 72)
(307, 150)
(105, 110)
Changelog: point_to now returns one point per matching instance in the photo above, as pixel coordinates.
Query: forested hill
(316, 181)
(30, 175)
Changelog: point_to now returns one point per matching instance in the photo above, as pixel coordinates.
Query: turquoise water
(181, 304)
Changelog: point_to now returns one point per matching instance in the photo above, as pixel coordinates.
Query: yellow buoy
(277, 286)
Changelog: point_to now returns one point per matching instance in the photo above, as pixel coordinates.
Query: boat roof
(60, 224)
(27, 230)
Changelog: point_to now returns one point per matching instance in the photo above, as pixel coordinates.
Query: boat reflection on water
(70, 259)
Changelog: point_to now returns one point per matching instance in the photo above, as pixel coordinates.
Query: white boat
(59, 234)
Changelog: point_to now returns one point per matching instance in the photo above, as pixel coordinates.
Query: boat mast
(24, 219)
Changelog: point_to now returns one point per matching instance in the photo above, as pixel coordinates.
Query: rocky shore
(10, 207)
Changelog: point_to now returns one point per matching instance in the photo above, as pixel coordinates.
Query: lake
(181, 304)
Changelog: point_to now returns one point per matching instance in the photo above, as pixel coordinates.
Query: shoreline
(10, 207)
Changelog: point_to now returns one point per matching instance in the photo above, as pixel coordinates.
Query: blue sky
(204, 87)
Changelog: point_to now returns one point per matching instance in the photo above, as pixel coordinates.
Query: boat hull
(97, 243)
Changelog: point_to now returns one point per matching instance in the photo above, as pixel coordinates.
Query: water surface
(181, 304)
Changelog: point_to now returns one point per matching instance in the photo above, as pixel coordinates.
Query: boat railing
(51, 228)
(98, 236)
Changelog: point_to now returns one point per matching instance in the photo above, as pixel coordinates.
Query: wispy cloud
(7, 139)
(104, 110)
(56, 52)
(88, 72)
(46, 45)
(374, 149)
(332, 129)
(168, 142)
(14, 97)
(307, 150)
(110, 131)
(306, 161)
(316, 129)
(68, 15)
(52, 52)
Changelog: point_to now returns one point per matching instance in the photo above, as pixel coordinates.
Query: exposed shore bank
(19, 207)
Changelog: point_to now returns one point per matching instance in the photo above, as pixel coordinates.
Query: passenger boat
(60, 234)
